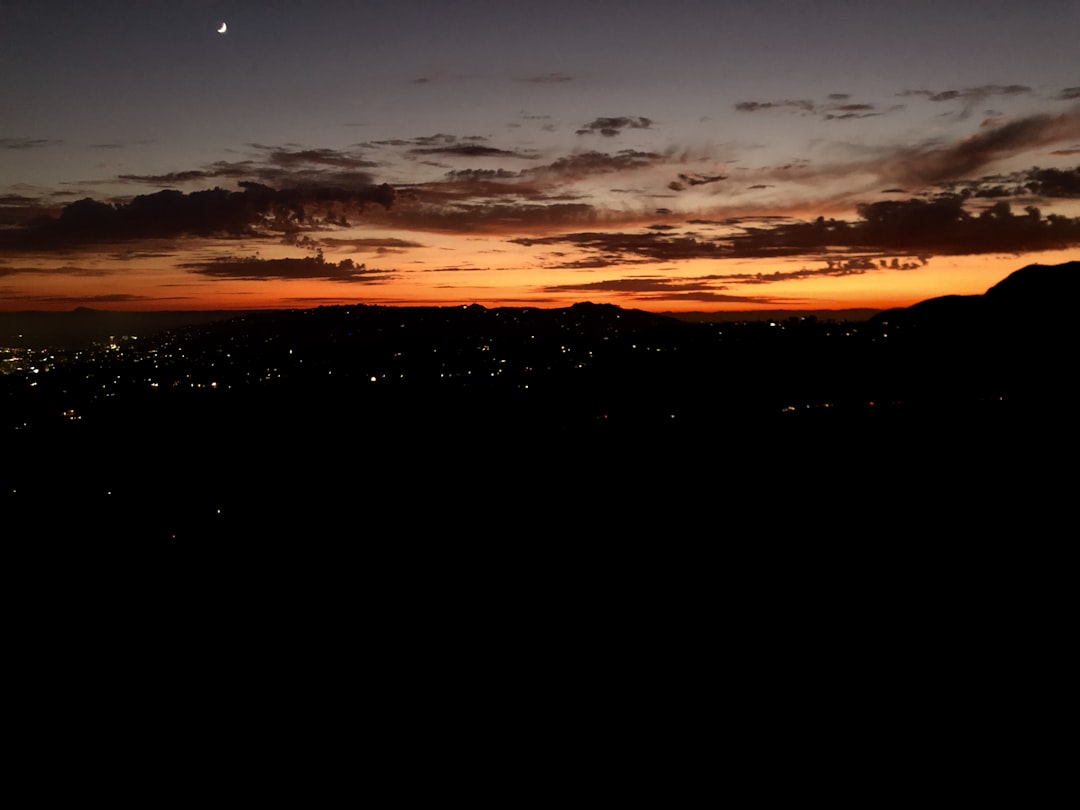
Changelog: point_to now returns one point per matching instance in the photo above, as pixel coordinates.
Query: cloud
(800, 105)
(472, 150)
(1068, 94)
(448, 214)
(377, 243)
(169, 213)
(65, 301)
(314, 157)
(585, 164)
(1055, 182)
(838, 107)
(543, 197)
(914, 227)
(548, 78)
(284, 168)
(18, 200)
(26, 143)
(689, 180)
(306, 267)
(481, 175)
(661, 288)
(970, 93)
(66, 270)
(938, 165)
(637, 285)
(970, 97)
(845, 112)
(616, 246)
(175, 178)
(609, 127)
(470, 146)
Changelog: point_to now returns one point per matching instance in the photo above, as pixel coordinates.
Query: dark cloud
(548, 78)
(845, 112)
(314, 157)
(443, 144)
(26, 143)
(970, 97)
(617, 246)
(831, 267)
(915, 227)
(584, 164)
(370, 244)
(172, 178)
(18, 200)
(66, 270)
(1069, 93)
(1022, 185)
(609, 127)
(255, 209)
(714, 298)
(471, 150)
(284, 168)
(801, 105)
(1054, 182)
(450, 214)
(116, 298)
(540, 195)
(133, 255)
(635, 285)
(694, 179)
(68, 301)
(969, 93)
(654, 288)
(484, 175)
(391, 142)
(939, 165)
(307, 267)
(834, 110)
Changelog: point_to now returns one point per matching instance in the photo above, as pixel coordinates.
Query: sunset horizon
(703, 157)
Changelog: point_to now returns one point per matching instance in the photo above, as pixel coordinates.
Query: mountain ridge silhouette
(1034, 292)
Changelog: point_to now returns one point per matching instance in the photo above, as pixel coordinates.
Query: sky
(684, 155)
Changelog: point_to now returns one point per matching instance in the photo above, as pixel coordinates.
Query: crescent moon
(223, 28)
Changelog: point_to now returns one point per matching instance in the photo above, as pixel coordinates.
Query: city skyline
(689, 156)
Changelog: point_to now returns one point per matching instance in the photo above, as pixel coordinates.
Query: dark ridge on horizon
(1037, 289)
(1034, 293)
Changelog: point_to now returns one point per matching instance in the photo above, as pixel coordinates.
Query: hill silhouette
(1017, 340)
(1035, 295)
